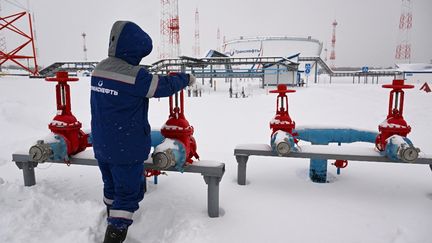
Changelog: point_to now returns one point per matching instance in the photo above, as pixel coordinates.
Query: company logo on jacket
(102, 90)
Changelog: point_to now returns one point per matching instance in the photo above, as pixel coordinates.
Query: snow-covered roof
(414, 67)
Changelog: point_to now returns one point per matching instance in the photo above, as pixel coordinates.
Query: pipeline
(54, 147)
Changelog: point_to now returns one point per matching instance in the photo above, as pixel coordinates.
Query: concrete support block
(241, 169)
(212, 195)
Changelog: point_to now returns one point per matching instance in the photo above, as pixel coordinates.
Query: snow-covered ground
(368, 202)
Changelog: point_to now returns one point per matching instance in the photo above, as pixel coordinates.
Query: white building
(416, 73)
(283, 72)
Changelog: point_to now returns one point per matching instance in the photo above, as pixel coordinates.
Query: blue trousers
(124, 187)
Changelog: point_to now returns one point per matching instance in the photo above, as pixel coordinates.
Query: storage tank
(272, 46)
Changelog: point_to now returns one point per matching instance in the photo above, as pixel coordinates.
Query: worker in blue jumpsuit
(120, 92)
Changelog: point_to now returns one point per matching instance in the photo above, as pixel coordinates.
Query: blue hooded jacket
(120, 92)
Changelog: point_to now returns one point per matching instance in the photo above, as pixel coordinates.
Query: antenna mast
(333, 45)
(218, 47)
(169, 29)
(196, 48)
(403, 48)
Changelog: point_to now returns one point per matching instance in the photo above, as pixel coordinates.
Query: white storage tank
(272, 46)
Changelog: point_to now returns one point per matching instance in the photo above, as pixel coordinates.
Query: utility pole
(84, 45)
(333, 45)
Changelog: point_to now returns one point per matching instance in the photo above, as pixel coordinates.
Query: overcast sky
(367, 30)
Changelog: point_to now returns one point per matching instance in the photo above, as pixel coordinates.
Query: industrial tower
(20, 55)
(403, 47)
(169, 30)
(196, 48)
(325, 53)
(333, 45)
(2, 38)
(218, 40)
(84, 46)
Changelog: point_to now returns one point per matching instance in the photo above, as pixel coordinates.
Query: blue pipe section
(180, 156)
(318, 170)
(324, 136)
(90, 138)
(156, 138)
(59, 149)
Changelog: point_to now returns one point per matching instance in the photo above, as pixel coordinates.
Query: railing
(220, 67)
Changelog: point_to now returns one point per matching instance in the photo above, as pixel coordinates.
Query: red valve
(282, 120)
(394, 124)
(341, 163)
(65, 123)
(177, 127)
(151, 172)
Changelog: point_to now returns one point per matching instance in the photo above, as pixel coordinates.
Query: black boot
(114, 235)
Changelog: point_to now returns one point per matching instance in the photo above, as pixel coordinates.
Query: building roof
(414, 67)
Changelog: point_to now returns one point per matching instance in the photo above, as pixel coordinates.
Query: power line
(17, 4)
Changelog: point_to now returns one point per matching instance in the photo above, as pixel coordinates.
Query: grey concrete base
(211, 171)
(316, 152)
(212, 195)
(28, 172)
(241, 169)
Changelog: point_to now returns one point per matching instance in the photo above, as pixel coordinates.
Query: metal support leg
(241, 169)
(212, 195)
(28, 172)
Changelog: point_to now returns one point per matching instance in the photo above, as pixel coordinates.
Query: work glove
(192, 80)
